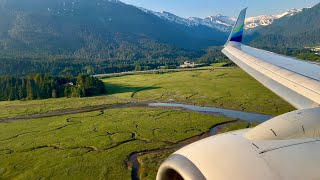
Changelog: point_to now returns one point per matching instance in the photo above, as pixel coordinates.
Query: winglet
(235, 37)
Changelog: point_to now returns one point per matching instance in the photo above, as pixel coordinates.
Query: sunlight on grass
(92, 145)
(225, 88)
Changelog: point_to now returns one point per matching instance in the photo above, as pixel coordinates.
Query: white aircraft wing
(284, 147)
(296, 81)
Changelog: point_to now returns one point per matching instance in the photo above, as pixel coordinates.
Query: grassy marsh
(97, 145)
(92, 145)
(226, 88)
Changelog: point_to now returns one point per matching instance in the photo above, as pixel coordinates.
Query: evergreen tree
(40, 86)
(54, 93)
(30, 90)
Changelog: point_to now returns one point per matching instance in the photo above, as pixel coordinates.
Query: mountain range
(221, 22)
(298, 31)
(265, 20)
(65, 26)
(294, 28)
(111, 36)
(71, 25)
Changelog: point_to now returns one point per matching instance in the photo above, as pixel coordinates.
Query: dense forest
(121, 55)
(43, 86)
(67, 37)
(300, 53)
(76, 27)
(300, 30)
(167, 57)
(122, 60)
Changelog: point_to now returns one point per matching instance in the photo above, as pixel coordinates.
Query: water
(133, 158)
(246, 116)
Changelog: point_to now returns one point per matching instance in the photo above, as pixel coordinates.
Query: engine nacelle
(294, 125)
(285, 147)
(178, 167)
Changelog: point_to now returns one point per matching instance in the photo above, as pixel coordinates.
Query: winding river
(239, 115)
(246, 116)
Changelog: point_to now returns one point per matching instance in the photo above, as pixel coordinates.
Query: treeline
(65, 65)
(301, 53)
(309, 56)
(72, 67)
(43, 86)
(124, 57)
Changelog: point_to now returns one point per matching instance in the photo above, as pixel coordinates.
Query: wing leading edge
(296, 81)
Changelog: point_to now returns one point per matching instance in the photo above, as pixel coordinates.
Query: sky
(204, 8)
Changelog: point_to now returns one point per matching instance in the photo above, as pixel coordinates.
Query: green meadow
(92, 145)
(226, 88)
(97, 145)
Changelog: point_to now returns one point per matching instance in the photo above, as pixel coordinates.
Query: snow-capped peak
(222, 18)
(221, 22)
(289, 13)
(173, 18)
(264, 20)
(114, 1)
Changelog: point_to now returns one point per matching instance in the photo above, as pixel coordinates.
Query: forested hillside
(74, 26)
(123, 58)
(299, 30)
(39, 86)
(69, 37)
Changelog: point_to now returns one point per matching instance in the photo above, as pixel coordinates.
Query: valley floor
(89, 140)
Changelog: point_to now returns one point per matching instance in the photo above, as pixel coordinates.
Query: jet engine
(275, 149)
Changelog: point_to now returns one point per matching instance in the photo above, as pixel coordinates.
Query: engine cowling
(178, 167)
(253, 153)
(294, 125)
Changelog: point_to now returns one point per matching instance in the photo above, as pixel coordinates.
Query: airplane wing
(284, 147)
(296, 81)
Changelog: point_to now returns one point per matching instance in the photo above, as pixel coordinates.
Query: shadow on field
(119, 88)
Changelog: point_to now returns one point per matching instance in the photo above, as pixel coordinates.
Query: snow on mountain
(114, 1)
(220, 22)
(176, 19)
(290, 13)
(221, 19)
(253, 22)
(264, 20)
